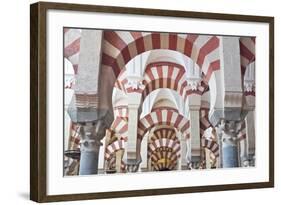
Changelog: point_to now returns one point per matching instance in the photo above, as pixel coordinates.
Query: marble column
(243, 148)
(134, 88)
(119, 156)
(106, 142)
(227, 109)
(179, 165)
(144, 152)
(188, 155)
(250, 101)
(195, 135)
(208, 158)
(194, 102)
(185, 146)
(194, 143)
(250, 137)
(89, 148)
(133, 158)
(219, 135)
(229, 131)
(85, 107)
(132, 130)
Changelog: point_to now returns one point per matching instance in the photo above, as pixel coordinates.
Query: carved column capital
(196, 165)
(194, 83)
(134, 84)
(91, 134)
(231, 126)
(249, 79)
(229, 131)
(249, 86)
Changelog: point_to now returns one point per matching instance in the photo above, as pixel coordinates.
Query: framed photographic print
(134, 102)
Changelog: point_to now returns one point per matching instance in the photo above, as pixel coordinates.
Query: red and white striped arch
(247, 55)
(121, 81)
(162, 75)
(72, 39)
(120, 129)
(164, 149)
(112, 164)
(164, 159)
(120, 126)
(116, 143)
(74, 136)
(211, 145)
(163, 117)
(121, 46)
(113, 147)
(247, 52)
(164, 137)
(167, 75)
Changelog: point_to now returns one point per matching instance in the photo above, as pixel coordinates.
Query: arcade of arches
(148, 101)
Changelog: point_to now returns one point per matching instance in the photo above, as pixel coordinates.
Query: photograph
(129, 101)
(146, 101)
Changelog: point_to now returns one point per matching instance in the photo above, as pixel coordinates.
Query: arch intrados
(159, 94)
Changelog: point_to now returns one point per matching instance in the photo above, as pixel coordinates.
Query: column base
(133, 165)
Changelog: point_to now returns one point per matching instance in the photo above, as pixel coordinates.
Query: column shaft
(89, 162)
(119, 156)
(250, 132)
(90, 146)
(195, 135)
(132, 132)
(229, 143)
(230, 155)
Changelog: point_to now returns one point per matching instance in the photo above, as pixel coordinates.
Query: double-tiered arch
(164, 116)
(120, 47)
